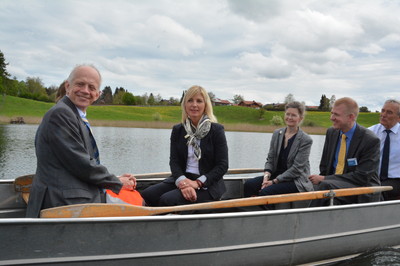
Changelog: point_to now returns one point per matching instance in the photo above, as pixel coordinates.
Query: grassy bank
(234, 118)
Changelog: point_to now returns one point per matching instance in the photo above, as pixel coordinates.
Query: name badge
(352, 162)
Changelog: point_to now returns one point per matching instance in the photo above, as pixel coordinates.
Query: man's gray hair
(395, 102)
(71, 76)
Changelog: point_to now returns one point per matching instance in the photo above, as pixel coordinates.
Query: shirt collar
(394, 129)
(349, 134)
(81, 113)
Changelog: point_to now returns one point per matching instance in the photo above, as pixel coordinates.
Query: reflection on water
(381, 257)
(135, 150)
(17, 151)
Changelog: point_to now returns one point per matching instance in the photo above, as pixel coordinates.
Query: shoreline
(168, 125)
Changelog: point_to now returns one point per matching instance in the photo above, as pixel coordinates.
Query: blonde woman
(198, 156)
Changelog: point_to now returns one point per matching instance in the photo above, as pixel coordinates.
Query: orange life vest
(125, 196)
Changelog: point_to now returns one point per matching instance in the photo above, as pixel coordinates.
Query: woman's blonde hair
(190, 93)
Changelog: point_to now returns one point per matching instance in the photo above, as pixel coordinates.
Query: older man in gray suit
(68, 166)
(350, 157)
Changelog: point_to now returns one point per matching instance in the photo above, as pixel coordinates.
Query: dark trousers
(167, 194)
(252, 187)
(392, 194)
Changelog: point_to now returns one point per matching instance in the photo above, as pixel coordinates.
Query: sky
(262, 50)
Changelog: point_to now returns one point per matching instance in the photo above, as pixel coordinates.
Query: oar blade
(95, 210)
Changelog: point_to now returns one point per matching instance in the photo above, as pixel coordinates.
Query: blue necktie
(94, 145)
(385, 157)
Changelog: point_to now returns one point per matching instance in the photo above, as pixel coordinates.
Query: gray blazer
(297, 162)
(66, 171)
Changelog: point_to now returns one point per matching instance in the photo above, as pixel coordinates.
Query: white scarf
(194, 134)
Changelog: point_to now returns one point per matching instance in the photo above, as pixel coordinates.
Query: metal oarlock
(331, 195)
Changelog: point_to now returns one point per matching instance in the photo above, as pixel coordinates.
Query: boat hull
(280, 237)
(283, 237)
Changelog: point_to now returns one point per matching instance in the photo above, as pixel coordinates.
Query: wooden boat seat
(23, 185)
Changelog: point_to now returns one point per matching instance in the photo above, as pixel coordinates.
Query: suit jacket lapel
(355, 142)
(279, 145)
(295, 144)
(331, 159)
(82, 127)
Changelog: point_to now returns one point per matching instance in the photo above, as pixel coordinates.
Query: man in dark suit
(68, 166)
(358, 165)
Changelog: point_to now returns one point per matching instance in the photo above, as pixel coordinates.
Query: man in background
(388, 131)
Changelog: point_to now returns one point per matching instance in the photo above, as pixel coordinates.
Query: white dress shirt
(394, 155)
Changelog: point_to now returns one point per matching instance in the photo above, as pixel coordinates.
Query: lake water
(136, 150)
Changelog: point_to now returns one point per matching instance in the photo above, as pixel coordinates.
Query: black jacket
(214, 157)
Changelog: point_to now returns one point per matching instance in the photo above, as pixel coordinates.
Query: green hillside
(11, 107)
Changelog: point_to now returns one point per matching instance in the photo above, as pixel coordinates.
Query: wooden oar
(113, 210)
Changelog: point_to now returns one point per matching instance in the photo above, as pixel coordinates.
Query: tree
(128, 98)
(106, 96)
(144, 99)
(237, 98)
(332, 101)
(14, 87)
(173, 101)
(140, 100)
(261, 113)
(35, 85)
(35, 90)
(323, 103)
(289, 98)
(3, 66)
(151, 100)
(212, 97)
(158, 98)
(364, 109)
(51, 92)
(118, 97)
(117, 90)
(183, 95)
(4, 75)
(277, 120)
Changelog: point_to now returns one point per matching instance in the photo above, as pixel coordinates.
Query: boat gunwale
(194, 216)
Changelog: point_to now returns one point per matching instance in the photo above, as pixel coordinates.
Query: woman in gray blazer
(287, 167)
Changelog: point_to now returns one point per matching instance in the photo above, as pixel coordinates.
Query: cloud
(256, 10)
(170, 37)
(268, 67)
(262, 50)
